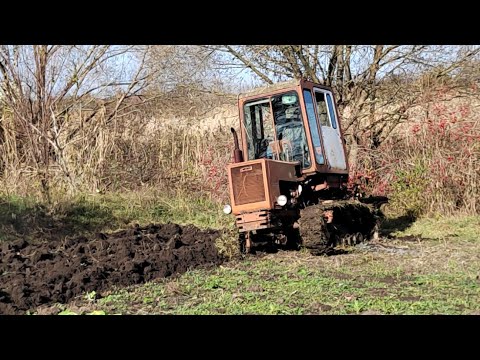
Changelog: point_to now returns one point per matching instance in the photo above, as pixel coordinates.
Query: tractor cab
(296, 122)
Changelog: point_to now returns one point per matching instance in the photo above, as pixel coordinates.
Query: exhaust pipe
(237, 153)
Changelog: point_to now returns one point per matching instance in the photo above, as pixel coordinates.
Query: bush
(431, 166)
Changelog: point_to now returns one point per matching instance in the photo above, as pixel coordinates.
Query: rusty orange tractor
(288, 179)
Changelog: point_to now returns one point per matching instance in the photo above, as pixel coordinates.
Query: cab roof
(269, 88)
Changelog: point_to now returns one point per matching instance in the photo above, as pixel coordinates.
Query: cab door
(332, 138)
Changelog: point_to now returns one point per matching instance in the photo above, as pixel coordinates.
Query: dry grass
(429, 166)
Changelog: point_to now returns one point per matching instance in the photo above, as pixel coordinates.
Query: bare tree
(183, 65)
(41, 86)
(358, 74)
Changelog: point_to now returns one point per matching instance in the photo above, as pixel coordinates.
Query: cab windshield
(279, 137)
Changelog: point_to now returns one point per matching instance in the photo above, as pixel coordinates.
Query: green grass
(463, 227)
(15, 213)
(436, 276)
(31, 219)
(154, 207)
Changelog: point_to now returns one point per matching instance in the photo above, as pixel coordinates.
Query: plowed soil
(55, 272)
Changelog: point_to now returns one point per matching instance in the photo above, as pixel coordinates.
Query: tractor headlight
(227, 209)
(282, 200)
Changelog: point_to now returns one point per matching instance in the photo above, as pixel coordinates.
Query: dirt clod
(55, 272)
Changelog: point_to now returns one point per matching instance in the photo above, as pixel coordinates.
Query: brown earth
(54, 272)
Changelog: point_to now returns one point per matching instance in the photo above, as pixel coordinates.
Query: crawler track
(353, 222)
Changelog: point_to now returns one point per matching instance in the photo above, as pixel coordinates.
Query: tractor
(288, 181)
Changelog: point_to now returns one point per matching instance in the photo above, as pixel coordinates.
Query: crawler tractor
(289, 175)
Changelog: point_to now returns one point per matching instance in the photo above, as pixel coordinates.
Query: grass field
(432, 267)
(22, 217)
